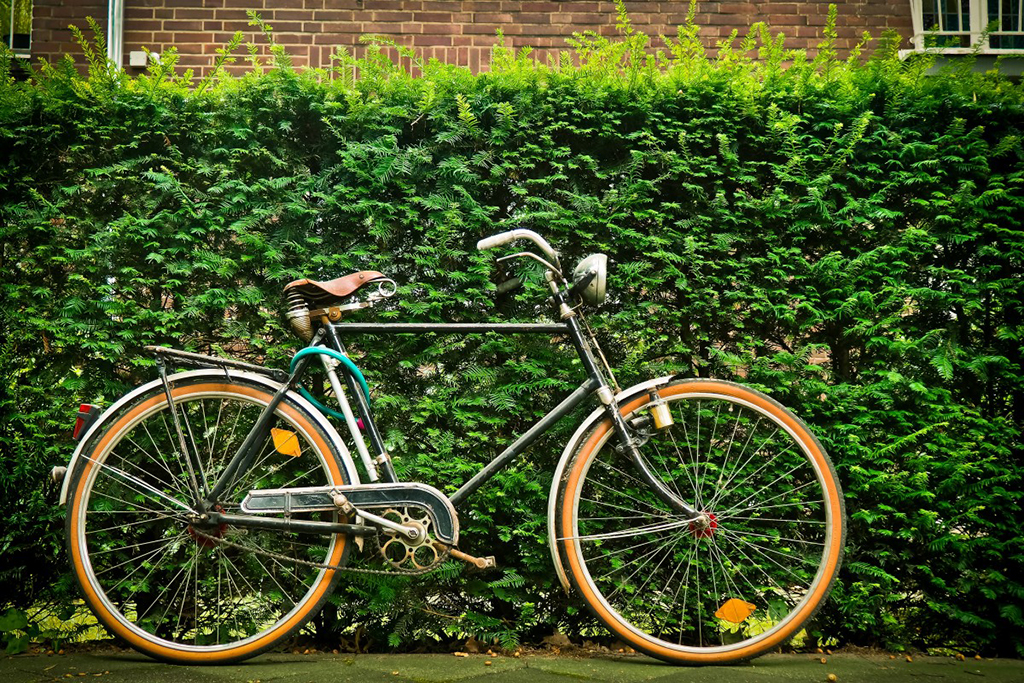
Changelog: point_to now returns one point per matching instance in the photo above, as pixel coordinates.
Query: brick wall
(51, 38)
(455, 31)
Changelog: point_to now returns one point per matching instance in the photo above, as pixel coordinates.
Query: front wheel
(740, 582)
(199, 594)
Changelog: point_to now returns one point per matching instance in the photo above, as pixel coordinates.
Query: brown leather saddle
(324, 293)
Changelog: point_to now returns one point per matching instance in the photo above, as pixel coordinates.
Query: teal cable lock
(349, 367)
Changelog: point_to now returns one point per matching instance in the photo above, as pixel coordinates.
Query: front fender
(623, 396)
(112, 411)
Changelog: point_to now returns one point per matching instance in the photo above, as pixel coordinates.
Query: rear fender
(111, 413)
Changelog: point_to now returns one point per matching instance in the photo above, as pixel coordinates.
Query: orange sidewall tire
(833, 497)
(266, 640)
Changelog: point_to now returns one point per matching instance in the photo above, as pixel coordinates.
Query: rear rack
(197, 359)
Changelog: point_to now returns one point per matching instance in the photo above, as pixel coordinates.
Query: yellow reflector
(285, 442)
(735, 610)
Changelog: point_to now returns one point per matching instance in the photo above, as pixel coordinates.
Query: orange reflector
(285, 442)
(735, 610)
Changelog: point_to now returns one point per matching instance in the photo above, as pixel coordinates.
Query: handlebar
(520, 234)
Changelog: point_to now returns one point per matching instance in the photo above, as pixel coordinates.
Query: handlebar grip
(497, 240)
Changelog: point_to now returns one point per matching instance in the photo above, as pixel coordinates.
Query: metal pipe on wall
(115, 32)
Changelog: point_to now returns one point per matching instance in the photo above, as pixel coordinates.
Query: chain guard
(440, 550)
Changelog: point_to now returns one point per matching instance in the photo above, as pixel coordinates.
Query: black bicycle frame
(595, 383)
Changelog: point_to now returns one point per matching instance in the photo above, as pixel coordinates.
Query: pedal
(477, 562)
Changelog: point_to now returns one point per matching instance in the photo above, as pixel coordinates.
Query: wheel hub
(207, 535)
(705, 526)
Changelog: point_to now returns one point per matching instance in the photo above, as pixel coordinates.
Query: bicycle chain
(443, 552)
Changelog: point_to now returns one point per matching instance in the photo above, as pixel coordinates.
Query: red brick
(737, 8)
(138, 36)
(443, 29)
(428, 17)
(590, 19)
(429, 40)
(392, 16)
(144, 25)
(175, 25)
(335, 27)
(371, 27)
(231, 15)
(487, 29)
(284, 26)
(181, 13)
(573, 6)
(213, 25)
(384, 4)
(533, 18)
(333, 16)
(193, 38)
(555, 30)
(787, 20)
(295, 39)
(542, 6)
(492, 17)
(189, 48)
(336, 38)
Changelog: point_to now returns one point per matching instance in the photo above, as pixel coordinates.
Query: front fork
(629, 444)
(629, 448)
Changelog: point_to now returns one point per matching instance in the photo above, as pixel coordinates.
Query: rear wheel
(737, 584)
(183, 592)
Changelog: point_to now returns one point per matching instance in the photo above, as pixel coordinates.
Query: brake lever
(529, 254)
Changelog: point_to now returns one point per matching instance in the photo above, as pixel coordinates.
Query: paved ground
(436, 668)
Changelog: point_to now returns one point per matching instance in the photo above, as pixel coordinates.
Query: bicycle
(211, 511)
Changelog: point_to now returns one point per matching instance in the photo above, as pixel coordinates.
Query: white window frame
(978, 14)
(25, 52)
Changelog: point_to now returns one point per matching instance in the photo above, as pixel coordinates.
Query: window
(959, 25)
(1008, 32)
(16, 25)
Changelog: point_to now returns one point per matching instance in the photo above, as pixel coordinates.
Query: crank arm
(407, 531)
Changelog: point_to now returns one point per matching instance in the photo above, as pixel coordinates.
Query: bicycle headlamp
(590, 278)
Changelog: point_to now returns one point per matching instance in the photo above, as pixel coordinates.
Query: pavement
(115, 667)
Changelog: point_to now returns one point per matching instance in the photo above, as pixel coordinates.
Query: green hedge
(844, 235)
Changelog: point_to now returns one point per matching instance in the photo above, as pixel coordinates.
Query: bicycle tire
(242, 603)
(637, 565)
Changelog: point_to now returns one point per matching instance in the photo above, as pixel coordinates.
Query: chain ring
(420, 555)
